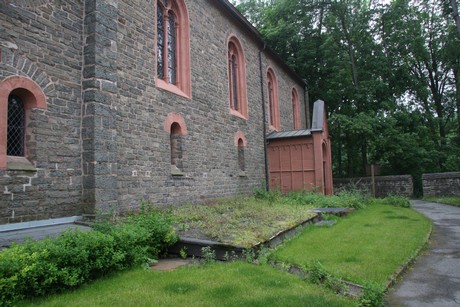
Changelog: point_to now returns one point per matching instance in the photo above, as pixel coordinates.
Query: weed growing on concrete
(208, 254)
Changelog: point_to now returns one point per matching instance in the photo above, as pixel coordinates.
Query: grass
(241, 221)
(219, 284)
(449, 200)
(368, 245)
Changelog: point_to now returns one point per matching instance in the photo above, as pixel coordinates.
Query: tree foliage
(389, 73)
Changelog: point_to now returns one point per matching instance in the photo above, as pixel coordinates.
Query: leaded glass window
(171, 48)
(16, 126)
(166, 42)
(234, 82)
(160, 42)
(271, 103)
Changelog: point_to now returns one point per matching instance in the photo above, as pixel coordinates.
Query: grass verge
(218, 284)
(369, 245)
(449, 200)
(241, 221)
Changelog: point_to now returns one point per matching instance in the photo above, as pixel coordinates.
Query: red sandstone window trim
(182, 84)
(295, 109)
(273, 102)
(175, 126)
(238, 100)
(241, 143)
(32, 97)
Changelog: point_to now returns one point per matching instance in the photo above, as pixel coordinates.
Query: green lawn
(219, 284)
(449, 200)
(368, 245)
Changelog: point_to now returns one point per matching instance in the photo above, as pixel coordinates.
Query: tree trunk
(455, 15)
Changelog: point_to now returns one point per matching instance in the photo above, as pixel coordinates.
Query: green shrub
(75, 257)
(372, 295)
(395, 200)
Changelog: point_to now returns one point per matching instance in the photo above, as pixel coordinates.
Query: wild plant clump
(343, 199)
(395, 200)
(42, 267)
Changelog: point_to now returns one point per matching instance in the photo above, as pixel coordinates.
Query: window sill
(176, 171)
(171, 88)
(19, 164)
(236, 113)
(242, 174)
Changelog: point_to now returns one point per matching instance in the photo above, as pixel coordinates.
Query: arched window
(176, 146)
(16, 126)
(17, 96)
(173, 47)
(175, 126)
(296, 110)
(237, 79)
(273, 104)
(240, 143)
(241, 163)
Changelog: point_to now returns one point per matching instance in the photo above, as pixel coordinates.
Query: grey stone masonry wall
(209, 153)
(41, 41)
(384, 185)
(441, 184)
(101, 141)
(99, 118)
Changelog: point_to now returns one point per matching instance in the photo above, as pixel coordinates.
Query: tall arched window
(241, 162)
(273, 104)
(16, 126)
(173, 47)
(176, 146)
(237, 78)
(296, 110)
(175, 126)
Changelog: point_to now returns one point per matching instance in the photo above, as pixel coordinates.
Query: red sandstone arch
(175, 118)
(240, 136)
(32, 96)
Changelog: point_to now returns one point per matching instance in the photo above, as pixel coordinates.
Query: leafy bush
(372, 296)
(394, 200)
(75, 257)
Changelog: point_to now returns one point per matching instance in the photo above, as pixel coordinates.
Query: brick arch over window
(31, 97)
(273, 102)
(295, 109)
(237, 78)
(173, 47)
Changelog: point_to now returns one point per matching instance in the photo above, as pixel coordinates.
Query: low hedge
(76, 257)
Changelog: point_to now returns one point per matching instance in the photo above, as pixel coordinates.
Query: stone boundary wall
(384, 185)
(441, 184)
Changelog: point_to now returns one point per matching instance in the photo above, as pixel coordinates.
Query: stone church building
(105, 103)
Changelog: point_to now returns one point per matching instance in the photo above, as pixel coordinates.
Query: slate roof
(288, 134)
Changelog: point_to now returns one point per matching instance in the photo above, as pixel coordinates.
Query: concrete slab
(36, 233)
(170, 264)
(434, 280)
